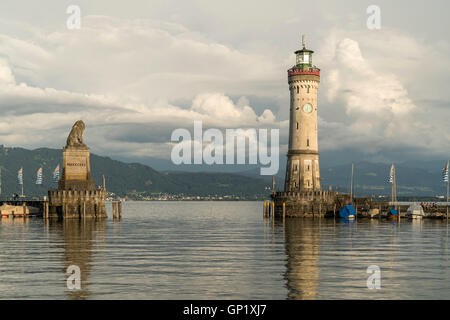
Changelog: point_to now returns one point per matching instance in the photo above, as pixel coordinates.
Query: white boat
(415, 211)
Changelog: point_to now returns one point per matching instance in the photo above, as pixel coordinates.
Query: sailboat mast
(447, 189)
(394, 187)
(351, 186)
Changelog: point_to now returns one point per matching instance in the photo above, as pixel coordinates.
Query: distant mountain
(372, 179)
(122, 178)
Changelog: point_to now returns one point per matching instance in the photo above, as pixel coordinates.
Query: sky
(137, 70)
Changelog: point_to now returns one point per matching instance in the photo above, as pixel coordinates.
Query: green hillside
(121, 178)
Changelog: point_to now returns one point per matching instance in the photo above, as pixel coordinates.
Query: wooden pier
(23, 207)
(365, 207)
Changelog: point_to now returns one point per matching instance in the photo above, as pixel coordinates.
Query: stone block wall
(77, 204)
(305, 203)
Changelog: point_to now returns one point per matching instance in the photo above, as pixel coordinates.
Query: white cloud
(368, 105)
(34, 116)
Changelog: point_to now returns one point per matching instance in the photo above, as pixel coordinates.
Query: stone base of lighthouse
(306, 204)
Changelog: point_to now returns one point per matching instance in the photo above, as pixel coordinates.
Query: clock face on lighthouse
(307, 108)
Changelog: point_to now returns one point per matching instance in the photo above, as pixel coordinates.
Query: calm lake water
(221, 250)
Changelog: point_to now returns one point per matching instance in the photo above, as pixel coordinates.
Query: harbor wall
(77, 204)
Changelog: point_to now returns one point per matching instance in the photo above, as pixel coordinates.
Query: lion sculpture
(75, 138)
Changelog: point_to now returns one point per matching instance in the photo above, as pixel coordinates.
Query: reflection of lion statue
(75, 138)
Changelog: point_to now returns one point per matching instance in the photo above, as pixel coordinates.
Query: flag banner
(445, 173)
(39, 176)
(391, 175)
(56, 174)
(20, 176)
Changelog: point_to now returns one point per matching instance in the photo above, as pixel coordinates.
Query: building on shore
(76, 196)
(302, 195)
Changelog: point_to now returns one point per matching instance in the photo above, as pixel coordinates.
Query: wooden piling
(114, 207)
(84, 210)
(120, 209)
(284, 211)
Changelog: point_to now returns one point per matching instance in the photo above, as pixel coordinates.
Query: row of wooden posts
(117, 209)
(269, 210)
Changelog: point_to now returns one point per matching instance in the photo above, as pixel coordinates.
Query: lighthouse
(302, 195)
(302, 169)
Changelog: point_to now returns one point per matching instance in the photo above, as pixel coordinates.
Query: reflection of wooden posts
(46, 208)
(356, 211)
(265, 209)
(284, 211)
(334, 211)
(114, 208)
(273, 210)
(379, 213)
(84, 209)
(120, 209)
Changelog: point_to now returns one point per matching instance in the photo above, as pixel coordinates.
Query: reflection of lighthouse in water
(302, 250)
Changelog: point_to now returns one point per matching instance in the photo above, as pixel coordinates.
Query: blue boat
(347, 212)
(392, 213)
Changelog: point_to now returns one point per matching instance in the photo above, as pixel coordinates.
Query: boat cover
(393, 212)
(347, 211)
(415, 209)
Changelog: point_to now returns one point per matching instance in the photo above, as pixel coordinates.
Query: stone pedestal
(76, 196)
(76, 173)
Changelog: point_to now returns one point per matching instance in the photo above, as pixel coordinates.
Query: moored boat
(348, 212)
(415, 211)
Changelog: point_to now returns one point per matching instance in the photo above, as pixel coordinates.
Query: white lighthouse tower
(302, 170)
